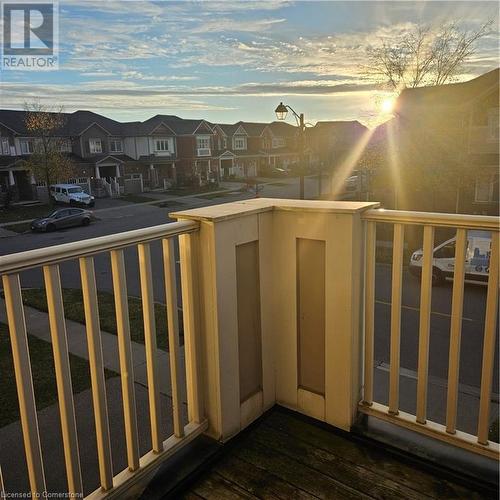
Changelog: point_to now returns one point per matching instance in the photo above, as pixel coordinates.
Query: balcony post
(280, 308)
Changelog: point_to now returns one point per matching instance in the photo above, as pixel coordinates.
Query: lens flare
(387, 105)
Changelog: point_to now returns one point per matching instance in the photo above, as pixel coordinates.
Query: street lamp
(281, 112)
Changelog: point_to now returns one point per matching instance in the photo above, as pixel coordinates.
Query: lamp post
(281, 112)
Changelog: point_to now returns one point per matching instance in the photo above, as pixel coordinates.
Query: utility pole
(301, 152)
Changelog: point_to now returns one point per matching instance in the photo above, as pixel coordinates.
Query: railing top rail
(483, 222)
(21, 261)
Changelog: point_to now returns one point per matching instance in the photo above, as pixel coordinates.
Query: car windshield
(75, 190)
(52, 214)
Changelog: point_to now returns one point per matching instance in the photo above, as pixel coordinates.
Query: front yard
(20, 212)
(42, 368)
(73, 310)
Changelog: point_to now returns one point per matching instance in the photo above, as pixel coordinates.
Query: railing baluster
(173, 332)
(490, 332)
(63, 377)
(397, 274)
(456, 330)
(125, 352)
(425, 323)
(150, 344)
(189, 286)
(24, 383)
(93, 328)
(371, 228)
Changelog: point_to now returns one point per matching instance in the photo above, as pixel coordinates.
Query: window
(161, 145)
(65, 146)
(115, 146)
(5, 147)
(278, 142)
(203, 142)
(95, 146)
(446, 252)
(239, 142)
(493, 125)
(27, 146)
(486, 189)
(224, 142)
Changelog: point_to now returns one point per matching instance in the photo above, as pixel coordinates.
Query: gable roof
(446, 96)
(282, 129)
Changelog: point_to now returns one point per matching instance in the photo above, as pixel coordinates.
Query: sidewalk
(37, 324)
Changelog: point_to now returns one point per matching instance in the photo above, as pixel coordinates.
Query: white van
(477, 260)
(71, 194)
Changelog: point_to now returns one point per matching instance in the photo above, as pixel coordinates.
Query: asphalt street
(133, 216)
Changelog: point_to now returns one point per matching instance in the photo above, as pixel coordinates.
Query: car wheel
(85, 221)
(50, 227)
(72, 202)
(437, 277)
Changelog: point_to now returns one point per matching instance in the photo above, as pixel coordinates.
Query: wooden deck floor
(287, 457)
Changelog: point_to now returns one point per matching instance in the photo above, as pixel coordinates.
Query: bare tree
(424, 56)
(48, 161)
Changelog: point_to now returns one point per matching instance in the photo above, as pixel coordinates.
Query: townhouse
(248, 149)
(441, 150)
(112, 158)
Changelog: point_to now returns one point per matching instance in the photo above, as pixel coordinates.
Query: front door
(23, 184)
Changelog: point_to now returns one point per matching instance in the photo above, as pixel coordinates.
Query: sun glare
(387, 105)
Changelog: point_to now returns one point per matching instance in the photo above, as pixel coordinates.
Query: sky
(229, 61)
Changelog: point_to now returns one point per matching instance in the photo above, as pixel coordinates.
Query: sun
(387, 105)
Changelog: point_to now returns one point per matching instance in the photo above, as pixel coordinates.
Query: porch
(278, 305)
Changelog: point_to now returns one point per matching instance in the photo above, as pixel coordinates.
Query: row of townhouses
(113, 158)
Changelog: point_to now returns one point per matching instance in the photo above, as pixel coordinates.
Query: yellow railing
(213, 246)
(392, 412)
(48, 259)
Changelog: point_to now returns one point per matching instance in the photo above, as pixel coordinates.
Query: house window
(486, 189)
(27, 146)
(493, 125)
(203, 142)
(95, 146)
(65, 146)
(115, 146)
(240, 143)
(5, 147)
(278, 142)
(161, 145)
(224, 142)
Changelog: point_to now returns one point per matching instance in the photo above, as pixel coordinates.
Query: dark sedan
(65, 217)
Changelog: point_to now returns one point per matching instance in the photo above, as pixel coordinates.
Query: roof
(446, 96)
(282, 129)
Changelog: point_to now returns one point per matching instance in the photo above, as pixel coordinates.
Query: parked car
(71, 194)
(64, 217)
(477, 260)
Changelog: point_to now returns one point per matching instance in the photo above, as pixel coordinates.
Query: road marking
(417, 309)
(438, 381)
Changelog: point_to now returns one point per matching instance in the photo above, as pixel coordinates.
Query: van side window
(446, 252)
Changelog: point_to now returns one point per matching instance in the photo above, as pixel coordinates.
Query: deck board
(284, 456)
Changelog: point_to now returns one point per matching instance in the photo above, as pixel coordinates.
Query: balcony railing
(278, 308)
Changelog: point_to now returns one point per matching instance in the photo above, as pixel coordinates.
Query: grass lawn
(73, 310)
(24, 212)
(42, 368)
(20, 228)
